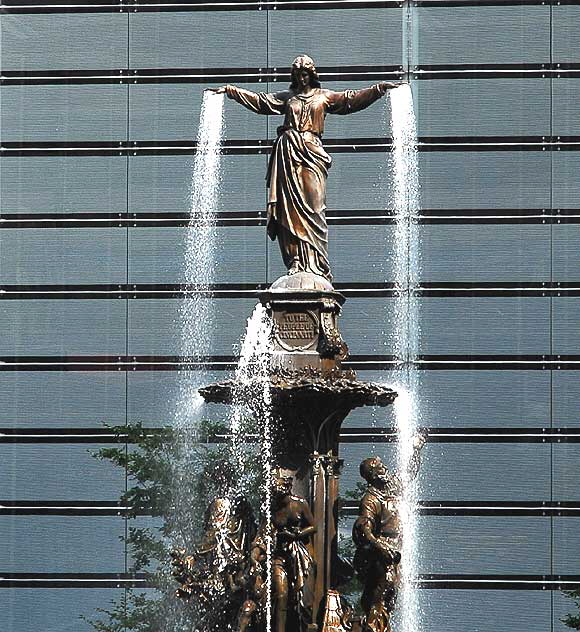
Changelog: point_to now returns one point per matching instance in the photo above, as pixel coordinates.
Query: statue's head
(303, 72)
(374, 471)
(281, 485)
(218, 512)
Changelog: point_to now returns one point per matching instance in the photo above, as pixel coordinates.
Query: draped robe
(298, 168)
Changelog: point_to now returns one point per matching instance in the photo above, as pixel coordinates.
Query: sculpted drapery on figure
(378, 538)
(231, 562)
(299, 165)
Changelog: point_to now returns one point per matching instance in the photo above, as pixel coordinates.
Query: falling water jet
(406, 269)
(196, 322)
(201, 243)
(252, 381)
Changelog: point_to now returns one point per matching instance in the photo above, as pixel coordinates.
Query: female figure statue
(298, 165)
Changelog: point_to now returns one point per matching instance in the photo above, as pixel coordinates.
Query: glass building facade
(99, 110)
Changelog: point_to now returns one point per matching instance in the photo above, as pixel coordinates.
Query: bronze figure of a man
(299, 165)
(378, 537)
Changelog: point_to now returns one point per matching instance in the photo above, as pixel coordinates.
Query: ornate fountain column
(311, 396)
(307, 350)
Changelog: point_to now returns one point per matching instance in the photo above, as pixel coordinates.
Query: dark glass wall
(100, 107)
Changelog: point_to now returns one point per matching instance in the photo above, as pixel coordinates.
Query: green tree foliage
(346, 548)
(157, 462)
(573, 620)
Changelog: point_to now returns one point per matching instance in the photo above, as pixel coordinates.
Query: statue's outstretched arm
(258, 102)
(415, 463)
(351, 101)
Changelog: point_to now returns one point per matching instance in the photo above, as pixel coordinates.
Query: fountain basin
(303, 386)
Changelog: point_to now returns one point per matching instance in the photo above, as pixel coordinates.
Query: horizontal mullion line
(251, 290)
(498, 216)
(431, 581)
(107, 6)
(176, 148)
(243, 75)
(110, 6)
(539, 509)
(263, 146)
(468, 435)
(72, 580)
(62, 508)
(238, 75)
(347, 436)
(499, 582)
(258, 218)
(496, 71)
(485, 3)
(228, 363)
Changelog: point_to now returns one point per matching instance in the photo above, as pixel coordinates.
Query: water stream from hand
(196, 315)
(201, 238)
(197, 321)
(196, 324)
(405, 273)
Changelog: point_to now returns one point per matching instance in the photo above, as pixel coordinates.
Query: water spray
(406, 269)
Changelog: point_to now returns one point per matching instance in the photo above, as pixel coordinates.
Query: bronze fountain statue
(298, 165)
(293, 567)
(378, 536)
(288, 568)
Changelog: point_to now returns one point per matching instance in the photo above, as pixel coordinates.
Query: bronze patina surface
(309, 395)
(377, 535)
(299, 165)
(227, 570)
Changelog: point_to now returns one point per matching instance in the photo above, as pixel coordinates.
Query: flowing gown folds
(298, 168)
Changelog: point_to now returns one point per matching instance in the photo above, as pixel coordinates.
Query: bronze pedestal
(311, 395)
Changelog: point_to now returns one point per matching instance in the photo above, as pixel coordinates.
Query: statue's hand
(286, 535)
(220, 90)
(419, 440)
(390, 85)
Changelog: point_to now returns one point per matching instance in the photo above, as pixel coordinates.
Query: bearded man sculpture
(378, 537)
(299, 165)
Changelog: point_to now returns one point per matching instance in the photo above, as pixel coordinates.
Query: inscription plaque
(296, 330)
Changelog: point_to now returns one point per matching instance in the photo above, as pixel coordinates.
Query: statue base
(305, 309)
(311, 395)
